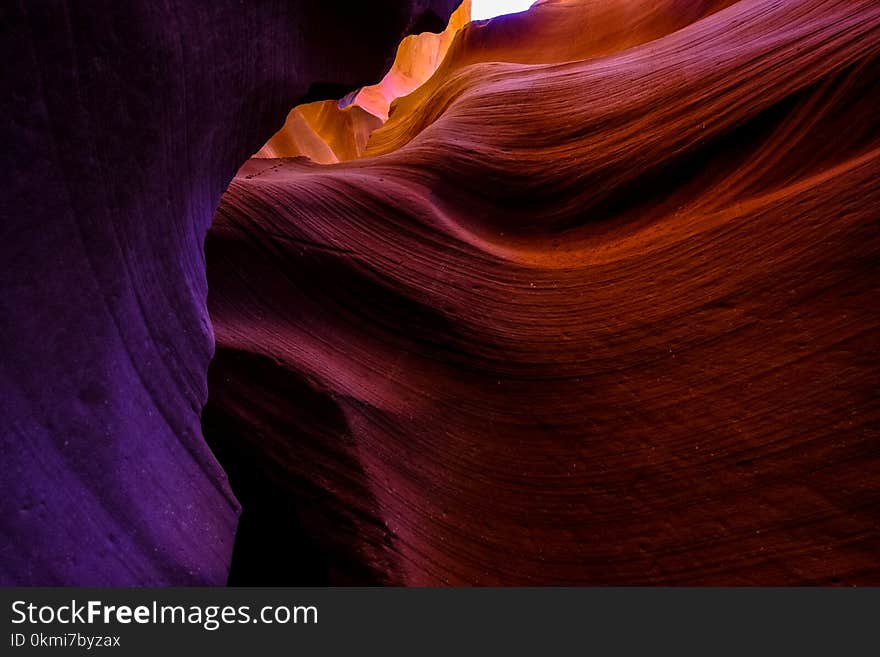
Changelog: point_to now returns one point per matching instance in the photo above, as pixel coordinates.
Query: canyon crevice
(123, 125)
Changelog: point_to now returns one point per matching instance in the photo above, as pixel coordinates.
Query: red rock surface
(550, 32)
(603, 311)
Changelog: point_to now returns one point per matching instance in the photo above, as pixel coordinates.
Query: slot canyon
(388, 293)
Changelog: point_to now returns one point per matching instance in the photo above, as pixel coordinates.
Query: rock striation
(598, 307)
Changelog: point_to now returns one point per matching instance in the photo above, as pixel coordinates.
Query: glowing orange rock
(417, 58)
(327, 132)
(323, 132)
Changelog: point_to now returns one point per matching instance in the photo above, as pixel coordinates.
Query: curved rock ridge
(123, 123)
(552, 31)
(610, 318)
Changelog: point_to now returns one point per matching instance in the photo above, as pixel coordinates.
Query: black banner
(413, 621)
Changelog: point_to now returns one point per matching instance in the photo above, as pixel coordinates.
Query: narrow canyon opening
(284, 537)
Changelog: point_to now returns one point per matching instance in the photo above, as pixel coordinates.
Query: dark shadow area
(308, 517)
(268, 551)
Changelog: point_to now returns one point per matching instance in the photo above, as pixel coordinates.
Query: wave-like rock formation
(550, 32)
(602, 309)
(122, 124)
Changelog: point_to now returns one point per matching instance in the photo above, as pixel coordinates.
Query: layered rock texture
(601, 308)
(123, 123)
(597, 305)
